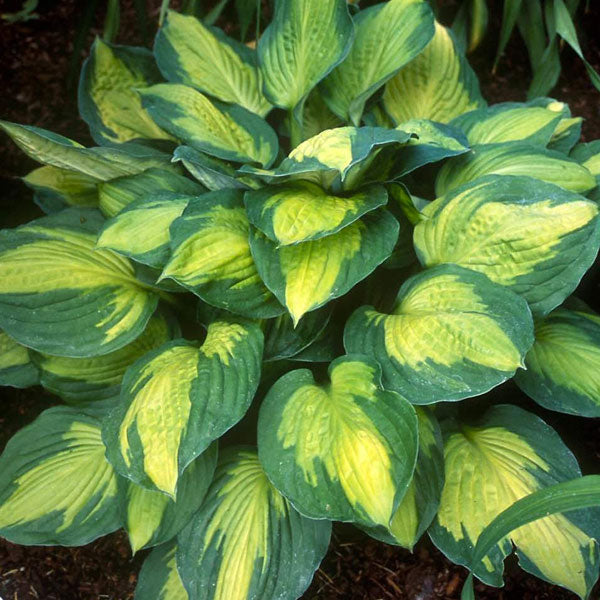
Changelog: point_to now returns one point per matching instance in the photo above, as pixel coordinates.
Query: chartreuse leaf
(141, 230)
(118, 193)
(247, 542)
(531, 236)
(99, 163)
(335, 158)
(420, 503)
(514, 158)
(152, 518)
(430, 142)
(211, 172)
(78, 380)
(304, 42)
(158, 578)
(303, 211)
(283, 340)
(306, 276)
(438, 84)
(189, 52)
(491, 464)
(16, 368)
(509, 122)
(180, 397)
(579, 493)
(387, 36)
(222, 130)
(211, 256)
(562, 366)
(56, 486)
(588, 155)
(345, 450)
(317, 117)
(68, 188)
(61, 296)
(451, 334)
(108, 101)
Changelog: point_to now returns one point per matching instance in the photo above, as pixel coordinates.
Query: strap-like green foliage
(278, 250)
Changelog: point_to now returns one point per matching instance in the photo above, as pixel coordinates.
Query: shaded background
(35, 62)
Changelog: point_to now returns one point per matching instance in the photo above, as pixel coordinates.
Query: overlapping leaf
(300, 212)
(159, 579)
(451, 334)
(141, 230)
(387, 36)
(56, 486)
(345, 450)
(420, 503)
(152, 518)
(438, 84)
(225, 131)
(531, 236)
(177, 399)
(491, 464)
(16, 367)
(189, 52)
(562, 366)
(78, 380)
(118, 193)
(247, 528)
(211, 256)
(306, 276)
(304, 42)
(514, 159)
(108, 101)
(336, 159)
(61, 296)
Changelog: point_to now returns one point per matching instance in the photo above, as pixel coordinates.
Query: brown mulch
(33, 70)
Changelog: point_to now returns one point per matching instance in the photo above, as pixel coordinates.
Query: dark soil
(33, 81)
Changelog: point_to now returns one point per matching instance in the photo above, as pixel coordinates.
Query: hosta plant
(263, 296)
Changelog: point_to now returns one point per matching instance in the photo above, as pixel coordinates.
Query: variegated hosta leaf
(387, 36)
(431, 142)
(56, 486)
(514, 159)
(421, 501)
(158, 578)
(345, 450)
(99, 163)
(563, 366)
(451, 334)
(189, 52)
(304, 42)
(509, 122)
(118, 193)
(306, 276)
(78, 380)
(247, 542)
(588, 155)
(223, 130)
(63, 188)
(61, 296)
(317, 117)
(335, 158)
(283, 340)
(531, 236)
(491, 464)
(16, 368)
(152, 518)
(211, 256)
(303, 211)
(141, 230)
(108, 101)
(213, 173)
(180, 397)
(438, 85)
